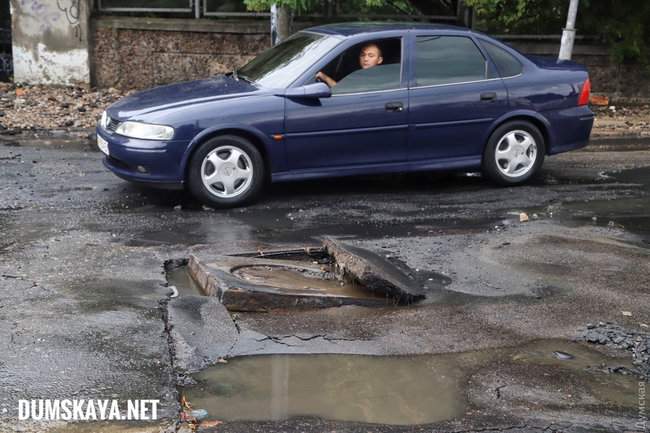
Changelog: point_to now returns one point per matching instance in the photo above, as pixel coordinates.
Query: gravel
(616, 120)
(618, 337)
(47, 107)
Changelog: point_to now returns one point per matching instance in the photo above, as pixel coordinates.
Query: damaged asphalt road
(85, 308)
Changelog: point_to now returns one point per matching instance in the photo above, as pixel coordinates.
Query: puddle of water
(390, 390)
(401, 390)
(298, 281)
(636, 175)
(611, 389)
(109, 427)
(180, 278)
(630, 213)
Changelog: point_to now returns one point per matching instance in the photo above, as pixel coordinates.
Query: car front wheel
(226, 171)
(514, 153)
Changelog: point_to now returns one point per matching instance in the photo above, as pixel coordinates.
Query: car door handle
(394, 106)
(488, 96)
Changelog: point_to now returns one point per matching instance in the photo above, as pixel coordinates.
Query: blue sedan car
(433, 97)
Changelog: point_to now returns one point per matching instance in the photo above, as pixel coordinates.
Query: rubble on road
(617, 337)
(47, 107)
(614, 120)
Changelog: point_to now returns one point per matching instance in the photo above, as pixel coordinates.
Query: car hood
(178, 95)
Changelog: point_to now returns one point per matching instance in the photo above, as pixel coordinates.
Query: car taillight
(583, 99)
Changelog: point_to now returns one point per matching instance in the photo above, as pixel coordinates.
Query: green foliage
(621, 24)
(347, 6)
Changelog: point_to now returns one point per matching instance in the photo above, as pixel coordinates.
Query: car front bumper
(143, 161)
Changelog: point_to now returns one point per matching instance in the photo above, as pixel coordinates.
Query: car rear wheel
(514, 153)
(226, 171)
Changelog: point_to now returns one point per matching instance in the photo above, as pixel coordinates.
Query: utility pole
(569, 33)
(280, 23)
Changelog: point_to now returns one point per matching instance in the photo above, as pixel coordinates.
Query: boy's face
(370, 56)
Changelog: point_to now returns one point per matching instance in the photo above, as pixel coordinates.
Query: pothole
(302, 280)
(330, 275)
(406, 390)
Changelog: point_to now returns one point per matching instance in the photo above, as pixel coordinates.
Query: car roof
(355, 28)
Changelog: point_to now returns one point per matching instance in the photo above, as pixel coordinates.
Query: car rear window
(505, 62)
(447, 60)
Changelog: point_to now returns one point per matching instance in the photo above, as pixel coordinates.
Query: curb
(618, 143)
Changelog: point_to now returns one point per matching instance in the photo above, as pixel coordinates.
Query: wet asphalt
(83, 292)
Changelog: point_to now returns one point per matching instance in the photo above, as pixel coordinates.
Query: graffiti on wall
(48, 17)
(71, 8)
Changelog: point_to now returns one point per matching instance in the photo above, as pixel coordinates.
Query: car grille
(112, 124)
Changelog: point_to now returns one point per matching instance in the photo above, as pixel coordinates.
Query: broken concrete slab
(373, 271)
(201, 330)
(239, 284)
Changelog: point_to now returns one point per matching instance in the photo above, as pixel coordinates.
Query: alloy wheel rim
(227, 172)
(516, 153)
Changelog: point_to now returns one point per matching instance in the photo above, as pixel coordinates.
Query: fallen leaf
(185, 404)
(209, 423)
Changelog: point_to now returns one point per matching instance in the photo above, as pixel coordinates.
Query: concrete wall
(143, 52)
(50, 41)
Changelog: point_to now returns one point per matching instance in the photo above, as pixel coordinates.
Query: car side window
(381, 77)
(448, 60)
(505, 62)
(369, 66)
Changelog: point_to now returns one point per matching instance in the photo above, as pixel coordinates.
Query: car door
(363, 123)
(455, 95)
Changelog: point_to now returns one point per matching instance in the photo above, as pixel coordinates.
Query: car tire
(226, 171)
(514, 153)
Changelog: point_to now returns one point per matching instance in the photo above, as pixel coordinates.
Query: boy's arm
(326, 78)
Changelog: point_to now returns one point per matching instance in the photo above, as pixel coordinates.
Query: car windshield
(281, 65)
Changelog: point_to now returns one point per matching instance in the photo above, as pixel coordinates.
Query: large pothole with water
(423, 389)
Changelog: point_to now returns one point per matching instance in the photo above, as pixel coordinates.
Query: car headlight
(145, 131)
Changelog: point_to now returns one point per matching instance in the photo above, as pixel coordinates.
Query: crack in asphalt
(233, 317)
(278, 339)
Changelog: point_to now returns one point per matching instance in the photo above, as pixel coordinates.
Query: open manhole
(405, 390)
(318, 277)
(294, 280)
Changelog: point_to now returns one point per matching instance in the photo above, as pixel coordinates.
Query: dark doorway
(6, 64)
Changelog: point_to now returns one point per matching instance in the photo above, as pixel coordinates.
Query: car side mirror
(314, 90)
